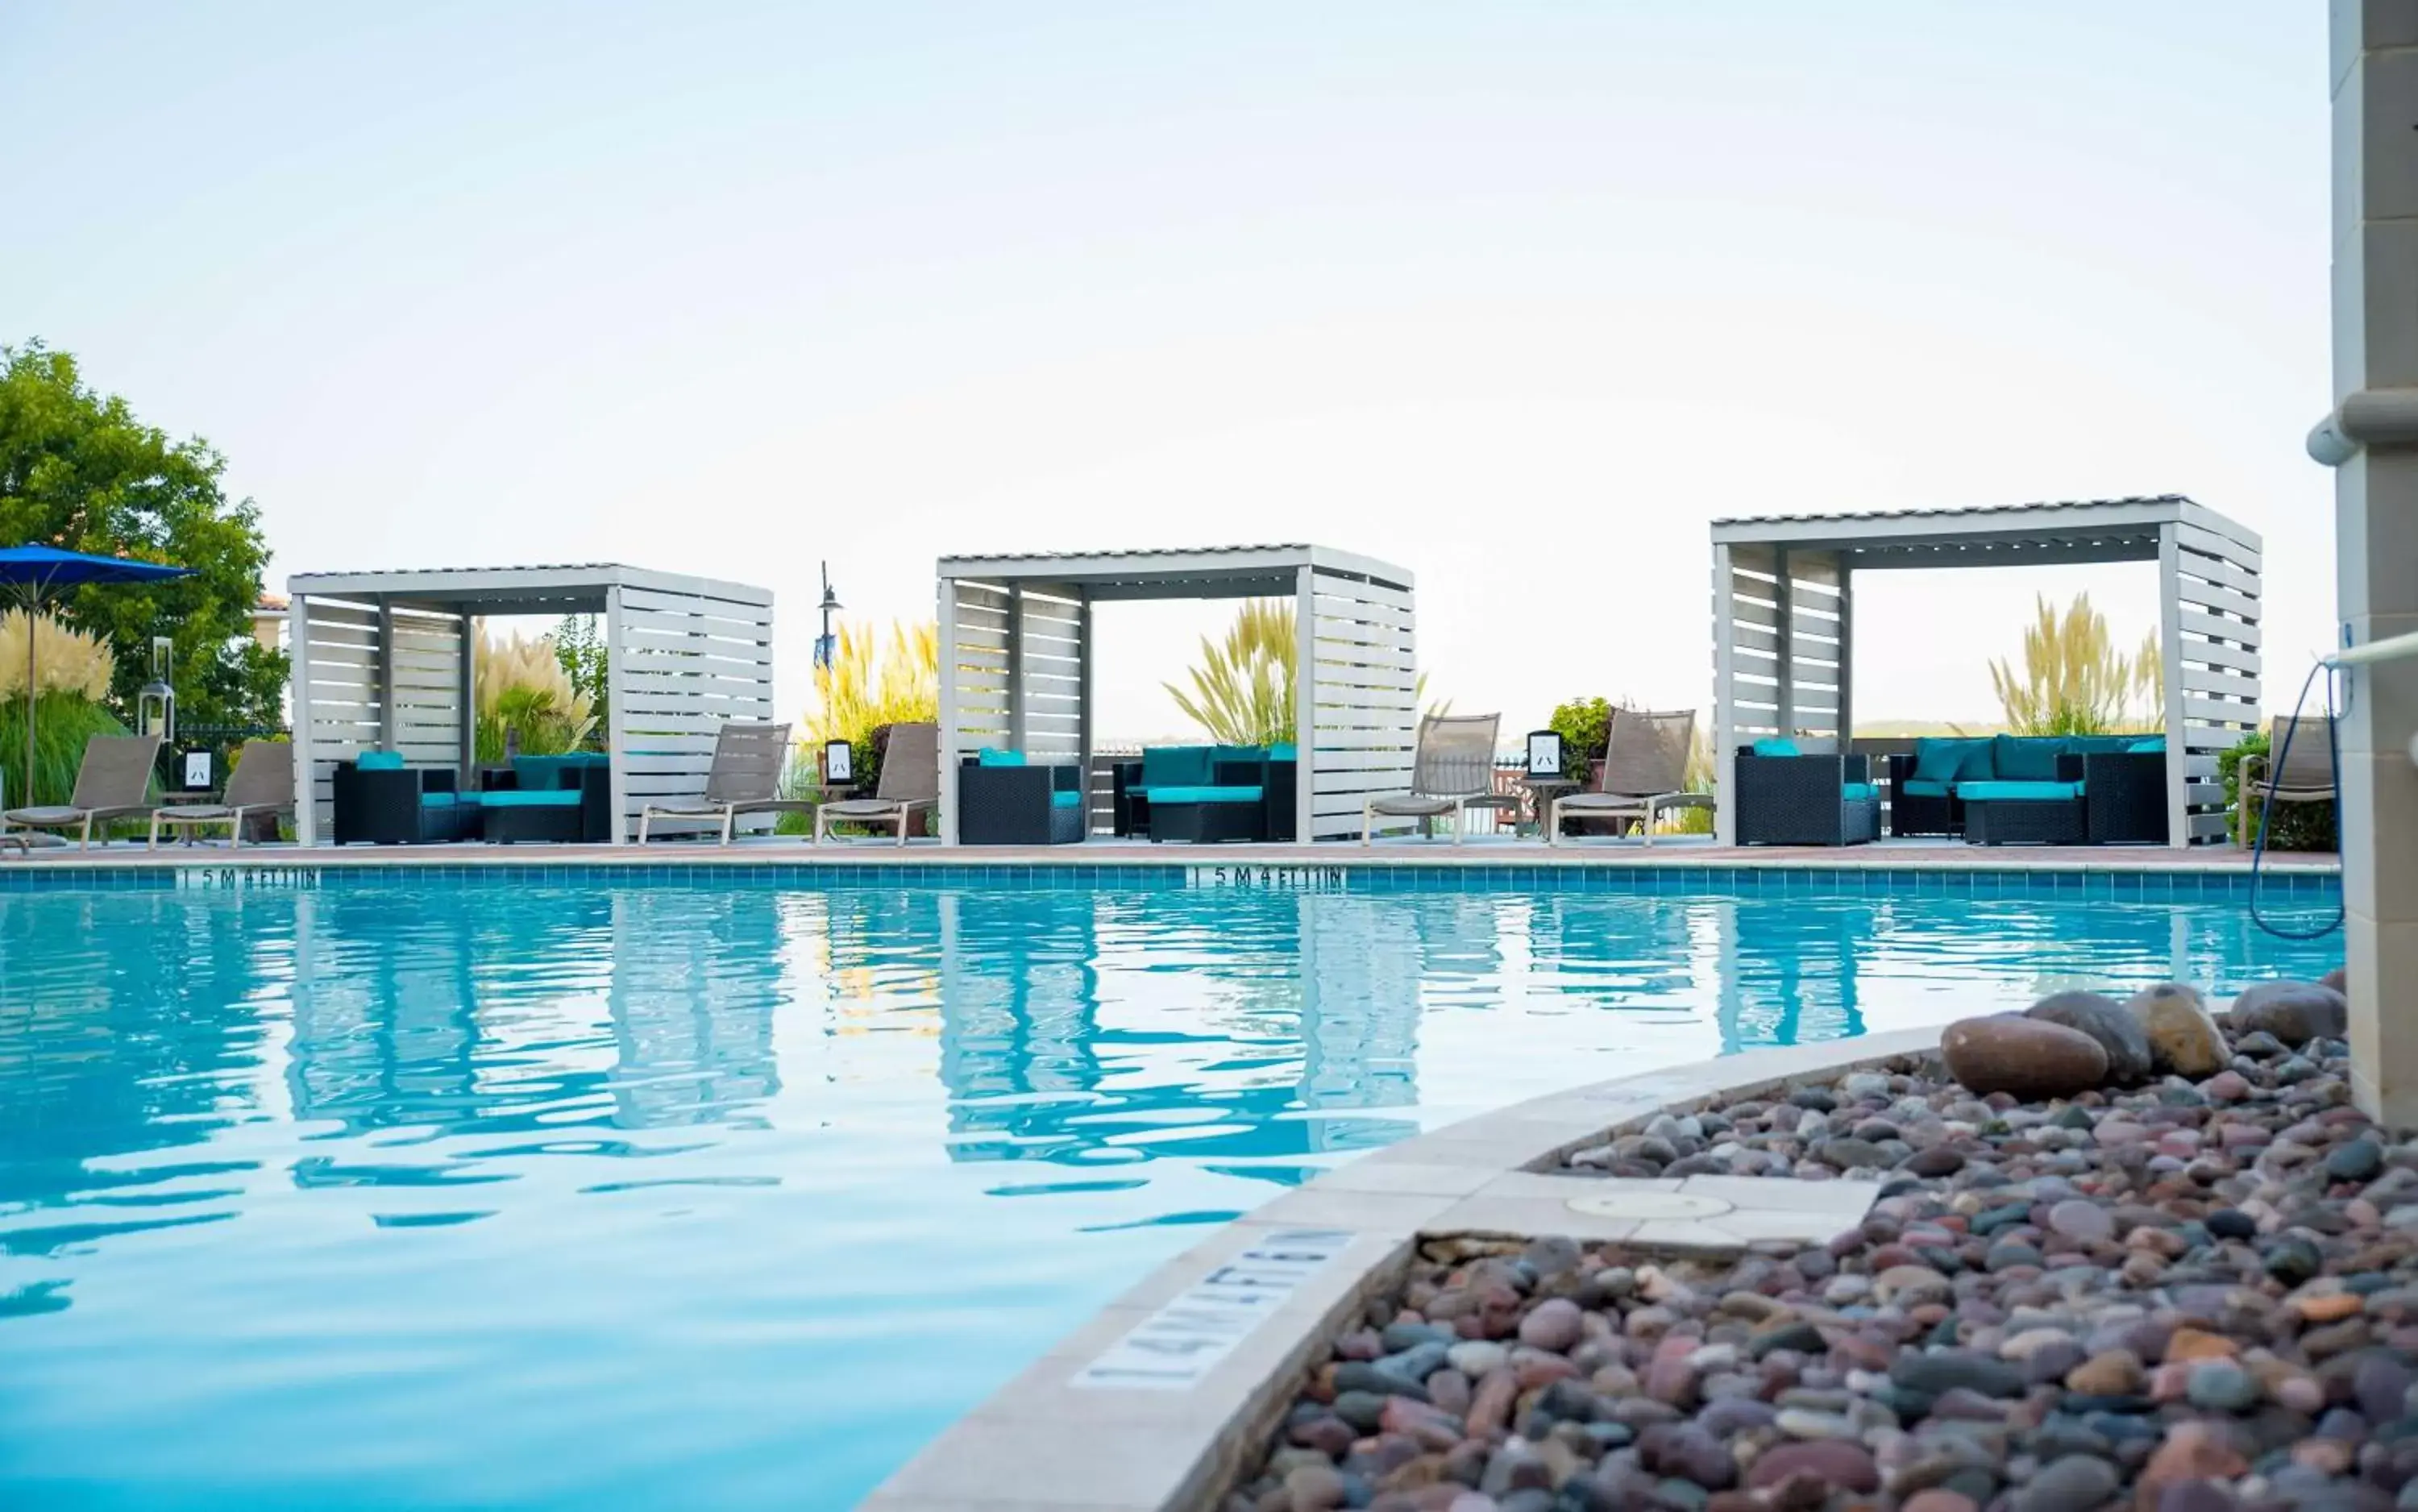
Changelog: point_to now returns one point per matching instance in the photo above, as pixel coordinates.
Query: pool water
(518, 1195)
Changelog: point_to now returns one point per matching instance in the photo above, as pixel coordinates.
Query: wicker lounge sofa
(2094, 789)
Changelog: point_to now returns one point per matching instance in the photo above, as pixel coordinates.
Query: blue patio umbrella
(35, 573)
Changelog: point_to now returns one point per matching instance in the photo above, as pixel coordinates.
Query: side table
(1542, 792)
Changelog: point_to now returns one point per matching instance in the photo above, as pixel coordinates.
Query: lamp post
(824, 645)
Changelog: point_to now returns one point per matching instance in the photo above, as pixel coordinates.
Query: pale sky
(1518, 296)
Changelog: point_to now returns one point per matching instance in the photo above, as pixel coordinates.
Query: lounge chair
(1644, 772)
(910, 782)
(1453, 769)
(744, 778)
(262, 783)
(112, 783)
(2306, 776)
(24, 842)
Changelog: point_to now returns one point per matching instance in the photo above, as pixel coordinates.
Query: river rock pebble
(2119, 1031)
(2183, 1039)
(2293, 1012)
(2198, 1294)
(2025, 1058)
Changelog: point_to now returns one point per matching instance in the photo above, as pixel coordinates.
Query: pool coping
(1436, 855)
(1044, 1442)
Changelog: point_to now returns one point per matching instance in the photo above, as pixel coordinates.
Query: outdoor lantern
(155, 706)
(1544, 752)
(835, 763)
(824, 645)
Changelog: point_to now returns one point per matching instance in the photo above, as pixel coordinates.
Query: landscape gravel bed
(2190, 1293)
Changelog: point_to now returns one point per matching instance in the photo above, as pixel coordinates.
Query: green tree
(79, 471)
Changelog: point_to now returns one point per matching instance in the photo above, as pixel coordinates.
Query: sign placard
(1277, 877)
(1176, 1346)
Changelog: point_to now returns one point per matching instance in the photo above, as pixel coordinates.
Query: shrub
(2291, 826)
(853, 700)
(1585, 725)
(523, 691)
(2073, 679)
(63, 722)
(1243, 691)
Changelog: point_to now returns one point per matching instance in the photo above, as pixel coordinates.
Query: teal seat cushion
(2154, 745)
(436, 799)
(1924, 788)
(1951, 759)
(1281, 751)
(524, 798)
(1775, 746)
(380, 761)
(1175, 766)
(1205, 795)
(2025, 757)
(1066, 800)
(1987, 791)
(2097, 745)
(1858, 791)
(989, 757)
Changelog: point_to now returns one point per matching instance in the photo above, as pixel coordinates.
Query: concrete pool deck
(1157, 1403)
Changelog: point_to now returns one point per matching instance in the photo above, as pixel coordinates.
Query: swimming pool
(562, 1190)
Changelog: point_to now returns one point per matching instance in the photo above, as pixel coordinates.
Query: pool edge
(1040, 1441)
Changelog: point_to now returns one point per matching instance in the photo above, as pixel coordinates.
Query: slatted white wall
(974, 659)
(1046, 718)
(681, 666)
(1787, 641)
(1360, 677)
(337, 656)
(424, 672)
(2209, 577)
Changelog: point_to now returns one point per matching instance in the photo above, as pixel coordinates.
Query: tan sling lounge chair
(2308, 775)
(744, 778)
(1645, 771)
(910, 782)
(112, 783)
(1452, 769)
(262, 783)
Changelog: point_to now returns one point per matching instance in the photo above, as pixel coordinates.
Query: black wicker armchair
(1020, 805)
(2124, 798)
(398, 805)
(1805, 799)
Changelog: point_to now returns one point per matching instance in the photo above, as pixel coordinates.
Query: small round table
(1543, 790)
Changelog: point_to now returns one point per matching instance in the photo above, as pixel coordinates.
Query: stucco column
(2375, 82)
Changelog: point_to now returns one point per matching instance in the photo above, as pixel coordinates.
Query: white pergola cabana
(1015, 660)
(382, 662)
(1784, 620)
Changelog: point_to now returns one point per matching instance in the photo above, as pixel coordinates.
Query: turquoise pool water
(519, 1194)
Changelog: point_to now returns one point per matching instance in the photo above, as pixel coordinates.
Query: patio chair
(1644, 772)
(24, 842)
(2308, 775)
(910, 781)
(112, 783)
(262, 783)
(743, 778)
(1452, 769)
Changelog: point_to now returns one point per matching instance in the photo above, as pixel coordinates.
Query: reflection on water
(515, 1195)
